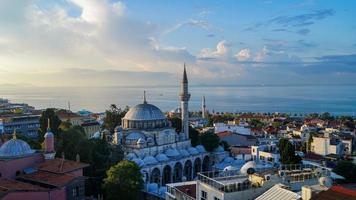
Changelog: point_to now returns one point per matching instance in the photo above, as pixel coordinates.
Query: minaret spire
(144, 97)
(184, 98)
(14, 134)
(48, 125)
(203, 110)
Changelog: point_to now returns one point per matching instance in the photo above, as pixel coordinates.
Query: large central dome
(144, 111)
(144, 116)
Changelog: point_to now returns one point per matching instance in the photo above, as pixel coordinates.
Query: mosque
(150, 141)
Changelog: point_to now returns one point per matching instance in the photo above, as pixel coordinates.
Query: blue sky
(146, 42)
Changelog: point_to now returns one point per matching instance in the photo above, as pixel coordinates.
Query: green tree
(176, 123)
(287, 152)
(209, 140)
(347, 169)
(326, 116)
(113, 117)
(225, 145)
(124, 181)
(50, 114)
(194, 136)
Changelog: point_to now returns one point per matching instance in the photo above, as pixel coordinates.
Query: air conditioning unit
(267, 177)
(282, 173)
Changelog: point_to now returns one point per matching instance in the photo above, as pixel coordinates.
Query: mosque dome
(172, 152)
(184, 153)
(144, 111)
(150, 160)
(201, 149)
(162, 157)
(139, 162)
(15, 148)
(131, 156)
(193, 151)
(248, 168)
(219, 149)
(230, 168)
(141, 141)
(144, 116)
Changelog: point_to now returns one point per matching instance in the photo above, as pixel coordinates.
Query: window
(204, 195)
(215, 198)
(75, 191)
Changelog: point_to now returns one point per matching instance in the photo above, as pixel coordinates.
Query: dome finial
(48, 125)
(144, 97)
(14, 135)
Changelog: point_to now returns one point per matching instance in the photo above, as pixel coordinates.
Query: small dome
(229, 159)
(139, 162)
(162, 157)
(15, 148)
(193, 151)
(325, 181)
(172, 152)
(184, 153)
(150, 140)
(150, 160)
(230, 168)
(131, 156)
(48, 134)
(141, 141)
(144, 111)
(134, 136)
(219, 149)
(248, 167)
(201, 149)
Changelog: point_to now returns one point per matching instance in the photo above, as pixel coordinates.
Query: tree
(50, 114)
(347, 169)
(225, 145)
(326, 116)
(176, 123)
(124, 181)
(209, 140)
(113, 117)
(194, 136)
(287, 152)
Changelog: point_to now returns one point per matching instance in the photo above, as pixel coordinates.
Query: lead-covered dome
(144, 116)
(15, 148)
(144, 111)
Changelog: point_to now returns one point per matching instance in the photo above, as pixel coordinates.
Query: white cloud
(243, 55)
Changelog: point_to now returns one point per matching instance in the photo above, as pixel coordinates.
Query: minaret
(203, 108)
(184, 98)
(49, 152)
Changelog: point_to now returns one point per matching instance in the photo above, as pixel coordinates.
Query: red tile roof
(57, 180)
(336, 193)
(8, 185)
(224, 133)
(61, 166)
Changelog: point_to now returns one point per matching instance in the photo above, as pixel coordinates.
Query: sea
(336, 99)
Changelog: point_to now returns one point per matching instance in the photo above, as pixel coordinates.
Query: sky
(117, 43)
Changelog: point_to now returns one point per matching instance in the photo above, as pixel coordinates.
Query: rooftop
(52, 179)
(336, 193)
(61, 166)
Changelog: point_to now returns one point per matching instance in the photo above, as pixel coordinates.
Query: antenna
(48, 125)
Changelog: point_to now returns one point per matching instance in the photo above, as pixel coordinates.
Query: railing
(216, 179)
(174, 193)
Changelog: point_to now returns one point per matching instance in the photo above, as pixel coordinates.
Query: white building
(221, 127)
(322, 145)
(265, 153)
(248, 183)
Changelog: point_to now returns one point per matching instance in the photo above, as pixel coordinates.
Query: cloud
(287, 23)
